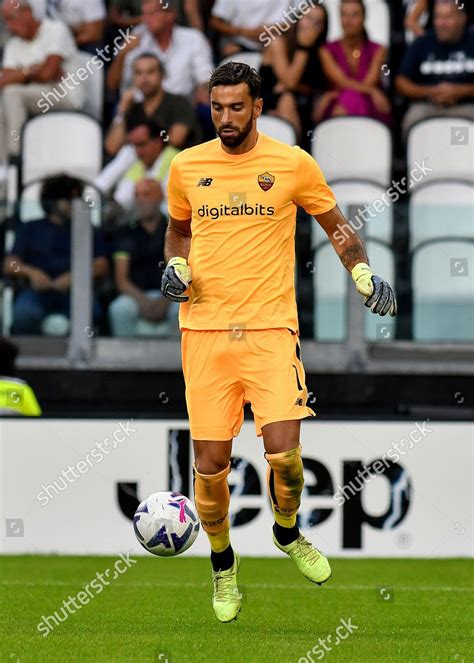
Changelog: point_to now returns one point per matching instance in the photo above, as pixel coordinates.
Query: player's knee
(210, 465)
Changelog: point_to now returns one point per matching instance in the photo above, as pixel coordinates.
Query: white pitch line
(195, 585)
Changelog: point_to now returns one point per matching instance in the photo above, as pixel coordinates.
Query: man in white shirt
(36, 61)
(85, 19)
(240, 22)
(184, 52)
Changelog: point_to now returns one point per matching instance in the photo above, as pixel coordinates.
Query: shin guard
(212, 499)
(285, 484)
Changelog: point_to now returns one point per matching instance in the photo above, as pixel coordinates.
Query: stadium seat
(94, 86)
(350, 148)
(445, 145)
(359, 194)
(330, 288)
(277, 128)
(252, 59)
(377, 22)
(330, 295)
(443, 292)
(441, 209)
(61, 141)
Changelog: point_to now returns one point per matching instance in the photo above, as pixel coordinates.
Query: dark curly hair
(234, 73)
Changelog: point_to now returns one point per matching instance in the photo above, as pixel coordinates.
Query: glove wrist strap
(361, 269)
(177, 261)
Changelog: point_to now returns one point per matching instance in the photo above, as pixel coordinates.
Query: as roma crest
(266, 181)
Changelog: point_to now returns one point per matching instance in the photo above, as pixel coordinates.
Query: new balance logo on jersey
(205, 181)
(299, 401)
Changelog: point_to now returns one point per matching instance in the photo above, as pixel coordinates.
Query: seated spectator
(419, 18)
(36, 59)
(241, 23)
(148, 99)
(353, 65)
(124, 13)
(437, 72)
(291, 69)
(41, 255)
(184, 52)
(152, 165)
(16, 396)
(140, 309)
(193, 17)
(85, 18)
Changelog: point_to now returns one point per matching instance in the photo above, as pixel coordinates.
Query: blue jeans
(31, 307)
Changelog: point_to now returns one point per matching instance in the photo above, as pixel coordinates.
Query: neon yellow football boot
(309, 560)
(227, 599)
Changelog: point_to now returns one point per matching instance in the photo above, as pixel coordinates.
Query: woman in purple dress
(354, 66)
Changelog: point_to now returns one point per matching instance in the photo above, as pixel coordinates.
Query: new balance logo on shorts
(299, 401)
(205, 181)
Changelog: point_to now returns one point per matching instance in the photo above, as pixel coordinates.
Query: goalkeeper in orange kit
(231, 260)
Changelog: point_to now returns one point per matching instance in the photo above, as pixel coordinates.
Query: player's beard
(238, 139)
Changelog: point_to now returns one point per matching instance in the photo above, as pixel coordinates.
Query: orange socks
(212, 499)
(285, 485)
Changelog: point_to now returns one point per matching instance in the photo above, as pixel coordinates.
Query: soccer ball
(166, 524)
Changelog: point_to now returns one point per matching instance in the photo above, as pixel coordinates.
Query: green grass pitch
(160, 610)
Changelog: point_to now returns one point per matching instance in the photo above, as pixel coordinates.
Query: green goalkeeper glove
(379, 295)
(176, 279)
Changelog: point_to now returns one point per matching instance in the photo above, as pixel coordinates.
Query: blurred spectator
(140, 309)
(353, 65)
(148, 99)
(42, 255)
(437, 72)
(241, 23)
(291, 69)
(85, 18)
(193, 14)
(125, 13)
(184, 52)
(36, 57)
(16, 396)
(152, 165)
(419, 18)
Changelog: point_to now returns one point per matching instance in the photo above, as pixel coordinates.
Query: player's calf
(285, 485)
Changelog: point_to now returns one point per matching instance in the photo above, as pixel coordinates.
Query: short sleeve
(410, 66)
(93, 10)
(123, 245)
(312, 192)
(223, 9)
(21, 244)
(178, 205)
(100, 248)
(60, 41)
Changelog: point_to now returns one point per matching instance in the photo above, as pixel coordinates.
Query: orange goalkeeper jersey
(243, 218)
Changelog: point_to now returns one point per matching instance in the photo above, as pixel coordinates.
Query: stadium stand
(361, 158)
(349, 147)
(278, 129)
(444, 144)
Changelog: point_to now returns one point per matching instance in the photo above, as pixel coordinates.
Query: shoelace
(306, 550)
(223, 587)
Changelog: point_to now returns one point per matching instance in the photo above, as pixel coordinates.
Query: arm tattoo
(352, 255)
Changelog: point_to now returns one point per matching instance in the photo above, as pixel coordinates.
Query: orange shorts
(223, 370)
